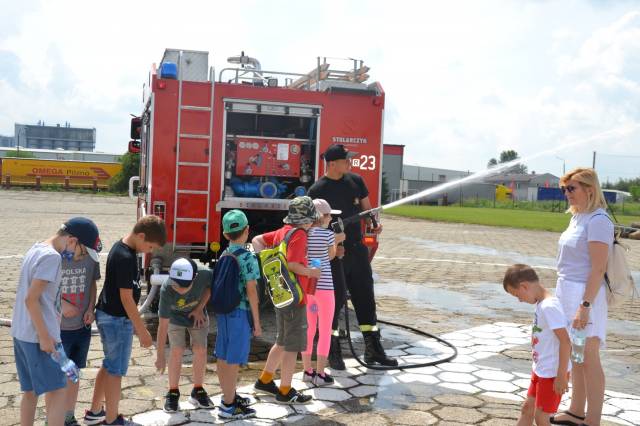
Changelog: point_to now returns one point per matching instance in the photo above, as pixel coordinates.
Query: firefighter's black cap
(337, 152)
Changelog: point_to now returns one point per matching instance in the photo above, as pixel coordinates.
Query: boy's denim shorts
(76, 345)
(233, 341)
(116, 334)
(37, 372)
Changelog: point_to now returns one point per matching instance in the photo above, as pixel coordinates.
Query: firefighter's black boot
(374, 352)
(335, 354)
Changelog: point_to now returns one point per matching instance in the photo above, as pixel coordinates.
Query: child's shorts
(291, 328)
(178, 339)
(37, 372)
(234, 337)
(76, 345)
(541, 388)
(116, 334)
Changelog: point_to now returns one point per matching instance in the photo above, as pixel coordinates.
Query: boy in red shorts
(550, 344)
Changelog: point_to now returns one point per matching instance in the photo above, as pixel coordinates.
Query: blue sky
(464, 79)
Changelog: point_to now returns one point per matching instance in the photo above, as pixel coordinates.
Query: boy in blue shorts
(117, 317)
(35, 326)
(234, 329)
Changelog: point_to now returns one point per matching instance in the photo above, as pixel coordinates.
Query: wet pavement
(440, 278)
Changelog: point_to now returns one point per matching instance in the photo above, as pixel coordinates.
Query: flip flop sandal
(553, 421)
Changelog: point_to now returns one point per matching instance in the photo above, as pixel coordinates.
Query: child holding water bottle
(321, 248)
(35, 326)
(550, 344)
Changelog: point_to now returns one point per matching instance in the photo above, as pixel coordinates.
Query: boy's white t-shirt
(545, 345)
(41, 262)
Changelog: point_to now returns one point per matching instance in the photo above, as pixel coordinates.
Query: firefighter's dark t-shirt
(121, 272)
(343, 194)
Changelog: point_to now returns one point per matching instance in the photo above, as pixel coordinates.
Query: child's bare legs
(175, 366)
(71, 396)
(228, 377)
(199, 364)
(306, 361)
(55, 407)
(542, 418)
(287, 368)
(28, 408)
(274, 359)
(527, 412)
(98, 391)
(112, 391)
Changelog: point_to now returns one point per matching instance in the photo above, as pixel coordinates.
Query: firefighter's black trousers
(354, 272)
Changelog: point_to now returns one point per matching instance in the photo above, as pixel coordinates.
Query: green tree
(384, 195)
(492, 163)
(20, 154)
(510, 155)
(635, 192)
(130, 167)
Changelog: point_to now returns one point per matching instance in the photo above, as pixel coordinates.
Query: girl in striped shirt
(321, 244)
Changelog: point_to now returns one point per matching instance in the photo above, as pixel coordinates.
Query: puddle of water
(456, 248)
(482, 298)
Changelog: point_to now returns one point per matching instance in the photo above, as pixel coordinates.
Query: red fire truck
(247, 138)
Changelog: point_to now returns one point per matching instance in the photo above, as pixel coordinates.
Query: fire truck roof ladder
(180, 164)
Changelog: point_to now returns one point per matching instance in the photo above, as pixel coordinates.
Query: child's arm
(126, 296)
(300, 269)
(163, 327)
(252, 295)
(258, 243)
(560, 384)
(199, 319)
(32, 301)
(89, 315)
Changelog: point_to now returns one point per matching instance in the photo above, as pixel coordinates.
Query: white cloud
(464, 80)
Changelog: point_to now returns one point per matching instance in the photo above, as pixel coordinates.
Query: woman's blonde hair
(588, 178)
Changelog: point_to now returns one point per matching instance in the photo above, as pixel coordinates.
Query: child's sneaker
(171, 401)
(323, 379)
(293, 397)
(242, 400)
(71, 421)
(91, 418)
(200, 399)
(308, 377)
(235, 411)
(269, 388)
(121, 421)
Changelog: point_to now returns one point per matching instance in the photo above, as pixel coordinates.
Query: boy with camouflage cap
(291, 321)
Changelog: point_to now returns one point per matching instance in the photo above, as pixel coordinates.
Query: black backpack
(225, 288)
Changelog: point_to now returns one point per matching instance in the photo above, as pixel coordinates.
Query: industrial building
(41, 136)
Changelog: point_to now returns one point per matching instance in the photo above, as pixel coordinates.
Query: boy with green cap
(233, 341)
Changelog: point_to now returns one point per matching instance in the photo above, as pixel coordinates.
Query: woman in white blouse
(583, 250)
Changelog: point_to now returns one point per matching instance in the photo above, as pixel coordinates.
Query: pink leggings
(320, 308)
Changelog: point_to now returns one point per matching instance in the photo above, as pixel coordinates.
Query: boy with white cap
(183, 307)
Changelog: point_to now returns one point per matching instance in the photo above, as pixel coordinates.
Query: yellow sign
(80, 173)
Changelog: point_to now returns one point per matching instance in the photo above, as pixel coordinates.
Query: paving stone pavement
(441, 278)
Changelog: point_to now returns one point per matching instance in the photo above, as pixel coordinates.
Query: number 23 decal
(365, 162)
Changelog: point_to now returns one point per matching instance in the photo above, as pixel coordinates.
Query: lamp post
(563, 164)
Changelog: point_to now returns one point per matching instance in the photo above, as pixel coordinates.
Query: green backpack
(282, 285)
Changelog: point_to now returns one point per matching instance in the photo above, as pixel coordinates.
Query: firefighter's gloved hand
(377, 229)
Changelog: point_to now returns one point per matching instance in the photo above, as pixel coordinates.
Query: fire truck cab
(249, 139)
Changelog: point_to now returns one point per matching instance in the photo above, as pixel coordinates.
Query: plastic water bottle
(313, 282)
(578, 339)
(67, 366)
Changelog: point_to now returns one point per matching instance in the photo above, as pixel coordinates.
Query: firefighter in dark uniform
(351, 269)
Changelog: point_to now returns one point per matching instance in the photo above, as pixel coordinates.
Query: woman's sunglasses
(568, 188)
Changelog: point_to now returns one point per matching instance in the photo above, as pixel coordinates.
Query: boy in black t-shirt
(117, 316)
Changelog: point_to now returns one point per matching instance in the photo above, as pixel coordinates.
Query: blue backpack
(225, 286)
